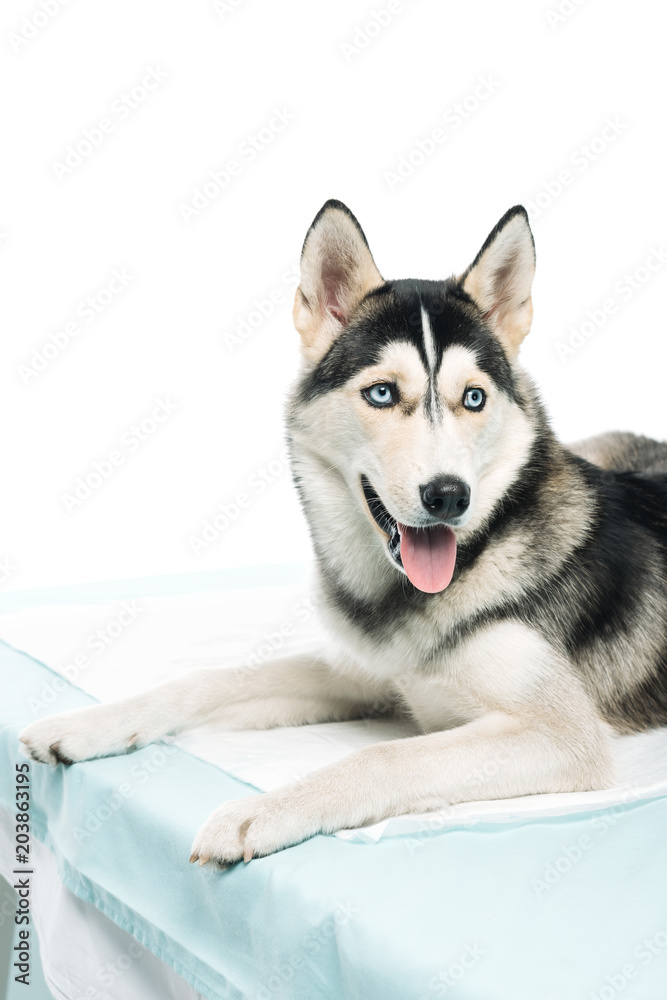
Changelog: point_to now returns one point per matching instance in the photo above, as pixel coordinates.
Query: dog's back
(623, 452)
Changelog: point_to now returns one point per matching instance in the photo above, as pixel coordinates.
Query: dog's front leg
(288, 692)
(497, 756)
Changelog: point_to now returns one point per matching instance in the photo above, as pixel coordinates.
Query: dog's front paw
(97, 731)
(251, 827)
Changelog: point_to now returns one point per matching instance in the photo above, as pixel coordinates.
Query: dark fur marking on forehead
(392, 314)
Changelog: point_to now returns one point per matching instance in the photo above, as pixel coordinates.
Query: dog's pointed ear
(500, 278)
(337, 270)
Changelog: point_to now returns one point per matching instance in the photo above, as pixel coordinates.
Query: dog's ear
(500, 278)
(337, 270)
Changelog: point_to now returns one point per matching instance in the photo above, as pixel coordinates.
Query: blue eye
(474, 399)
(381, 394)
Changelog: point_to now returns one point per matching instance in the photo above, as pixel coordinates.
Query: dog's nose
(445, 497)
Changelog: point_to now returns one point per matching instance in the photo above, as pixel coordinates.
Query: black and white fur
(550, 637)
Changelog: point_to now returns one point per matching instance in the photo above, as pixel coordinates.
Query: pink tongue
(428, 556)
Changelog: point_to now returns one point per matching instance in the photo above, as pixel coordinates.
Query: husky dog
(504, 593)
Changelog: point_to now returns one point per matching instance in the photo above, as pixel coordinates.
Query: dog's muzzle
(426, 554)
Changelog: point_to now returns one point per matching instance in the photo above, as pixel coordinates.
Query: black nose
(445, 497)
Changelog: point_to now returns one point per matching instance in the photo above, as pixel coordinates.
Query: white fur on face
(431, 355)
(429, 343)
(402, 448)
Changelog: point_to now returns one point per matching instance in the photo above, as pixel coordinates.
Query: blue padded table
(552, 909)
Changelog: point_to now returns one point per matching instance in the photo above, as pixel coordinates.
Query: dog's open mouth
(383, 519)
(427, 555)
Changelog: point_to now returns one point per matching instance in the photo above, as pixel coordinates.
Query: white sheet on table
(171, 635)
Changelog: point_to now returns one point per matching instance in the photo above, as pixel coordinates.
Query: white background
(357, 109)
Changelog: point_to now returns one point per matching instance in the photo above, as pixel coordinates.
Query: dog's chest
(446, 676)
(413, 657)
(436, 703)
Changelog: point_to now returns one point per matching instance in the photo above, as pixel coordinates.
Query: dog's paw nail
(247, 854)
(131, 743)
(202, 861)
(193, 858)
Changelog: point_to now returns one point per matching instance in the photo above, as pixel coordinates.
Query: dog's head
(409, 393)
